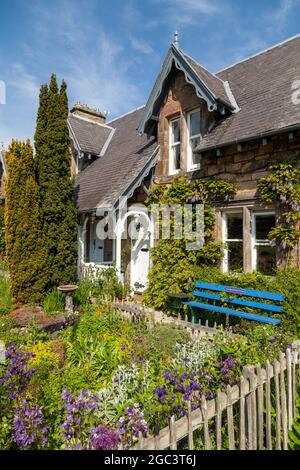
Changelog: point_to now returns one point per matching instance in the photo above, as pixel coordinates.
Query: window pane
(235, 256)
(196, 157)
(266, 259)
(108, 250)
(195, 123)
(235, 226)
(176, 131)
(194, 142)
(176, 156)
(264, 223)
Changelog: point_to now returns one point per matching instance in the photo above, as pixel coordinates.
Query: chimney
(91, 114)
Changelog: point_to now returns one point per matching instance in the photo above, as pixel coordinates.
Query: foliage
(59, 225)
(25, 252)
(173, 263)
(5, 296)
(54, 303)
(283, 187)
(43, 355)
(294, 433)
(2, 233)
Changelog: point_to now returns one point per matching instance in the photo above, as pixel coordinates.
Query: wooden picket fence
(256, 414)
(137, 312)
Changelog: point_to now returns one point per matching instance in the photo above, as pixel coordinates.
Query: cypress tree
(25, 252)
(53, 157)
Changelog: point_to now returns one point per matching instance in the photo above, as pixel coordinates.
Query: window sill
(194, 168)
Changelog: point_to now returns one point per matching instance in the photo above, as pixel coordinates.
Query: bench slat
(236, 313)
(246, 303)
(240, 291)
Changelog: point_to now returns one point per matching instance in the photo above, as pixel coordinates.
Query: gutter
(249, 139)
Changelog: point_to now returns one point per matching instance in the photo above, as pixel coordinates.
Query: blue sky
(110, 51)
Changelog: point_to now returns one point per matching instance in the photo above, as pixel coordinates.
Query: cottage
(230, 124)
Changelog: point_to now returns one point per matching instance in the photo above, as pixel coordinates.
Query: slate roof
(262, 87)
(213, 82)
(91, 137)
(108, 177)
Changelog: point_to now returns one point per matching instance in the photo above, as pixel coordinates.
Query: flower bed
(105, 380)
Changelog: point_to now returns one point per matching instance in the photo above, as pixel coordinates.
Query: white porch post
(81, 245)
(118, 244)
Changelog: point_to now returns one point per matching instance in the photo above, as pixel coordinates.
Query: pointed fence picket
(241, 417)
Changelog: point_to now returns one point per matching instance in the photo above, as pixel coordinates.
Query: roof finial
(176, 39)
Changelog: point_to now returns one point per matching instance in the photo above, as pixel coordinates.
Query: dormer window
(175, 146)
(193, 123)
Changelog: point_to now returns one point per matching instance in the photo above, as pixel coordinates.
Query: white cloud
(180, 13)
(140, 45)
(23, 83)
(278, 19)
(94, 64)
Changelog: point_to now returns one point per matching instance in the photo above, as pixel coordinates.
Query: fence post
(230, 423)
(283, 401)
(253, 407)
(207, 443)
(190, 427)
(249, 422)
(242, 415)
(295, 361)
(218, 421)
(173, 442)
(289, 387)
(277, 404)
(260, 408)
(268, 407)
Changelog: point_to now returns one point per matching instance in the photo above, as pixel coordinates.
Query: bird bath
(68, 290)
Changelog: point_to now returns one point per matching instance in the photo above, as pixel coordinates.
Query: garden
(104, 381)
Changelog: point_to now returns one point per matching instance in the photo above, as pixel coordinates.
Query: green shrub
(5, 296)
(54, 303)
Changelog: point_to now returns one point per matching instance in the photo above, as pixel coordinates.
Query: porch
(124, 245)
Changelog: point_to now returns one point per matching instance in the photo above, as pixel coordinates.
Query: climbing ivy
(282, 186)
(174, 266)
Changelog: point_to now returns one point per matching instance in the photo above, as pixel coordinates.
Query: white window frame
(253, 235)
(172, 145)
(191, 165)
(225, 238)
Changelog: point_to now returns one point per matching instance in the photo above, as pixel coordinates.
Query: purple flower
(131, 424)
(28, 426)
(103, 439)
(18, 371)
(161, 393)
(79, 411)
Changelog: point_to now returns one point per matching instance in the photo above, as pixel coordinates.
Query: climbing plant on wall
(173, 265)
(282, 187)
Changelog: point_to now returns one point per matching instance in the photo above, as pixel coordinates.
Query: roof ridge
(200, 65)
(90, 122)
(126, 114)
(292, 38)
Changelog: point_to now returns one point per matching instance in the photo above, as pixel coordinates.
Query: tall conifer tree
(54, 175)
(24, 246)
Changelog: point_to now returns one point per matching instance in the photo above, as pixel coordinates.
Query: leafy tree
(25, 252)
(59, 226)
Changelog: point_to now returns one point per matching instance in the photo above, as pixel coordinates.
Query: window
(233, 237)
(193, 122)
(264, 255)
(175, 146)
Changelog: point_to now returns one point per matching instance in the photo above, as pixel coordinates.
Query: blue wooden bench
(211, 297)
